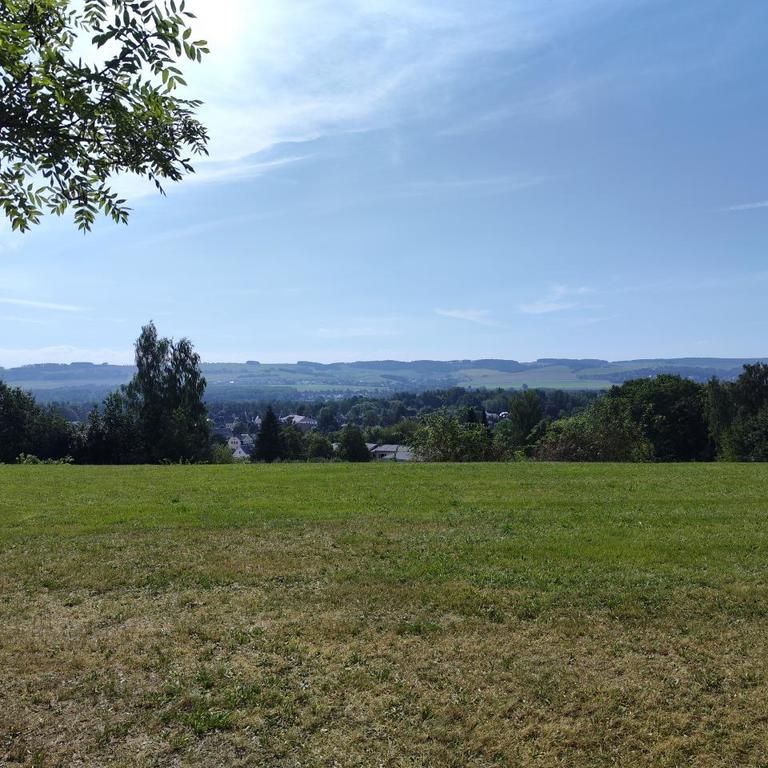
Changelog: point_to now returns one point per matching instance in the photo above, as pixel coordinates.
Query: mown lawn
(352, 615)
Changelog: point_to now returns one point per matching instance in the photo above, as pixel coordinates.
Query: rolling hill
(85, 382)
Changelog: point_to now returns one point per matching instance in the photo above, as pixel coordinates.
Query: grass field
(421, 615)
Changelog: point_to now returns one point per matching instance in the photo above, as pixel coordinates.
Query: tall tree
(671, 412)
(524, 413)
(268, 440)
(167, 396)
(68, 124)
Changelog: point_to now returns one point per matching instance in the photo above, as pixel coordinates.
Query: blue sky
(409, 179)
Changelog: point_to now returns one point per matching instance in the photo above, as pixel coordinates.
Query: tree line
(161, 416)
(663, 418)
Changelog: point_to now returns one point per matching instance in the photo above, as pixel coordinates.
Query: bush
(30, 458)
(220, 454)
(604, 432)
(352, 446)
(441, 437)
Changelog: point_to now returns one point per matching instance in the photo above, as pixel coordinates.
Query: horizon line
(545, 360)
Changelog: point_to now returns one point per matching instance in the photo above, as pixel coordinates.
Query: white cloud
(30, 304)
(558, 299)
(206, 172)
(560, 102)
(748, 206)
(294, 71)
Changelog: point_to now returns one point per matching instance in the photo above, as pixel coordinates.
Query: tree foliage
(671, 414)
(26, 427)
(352, 445)
(605, 431)
(160, 415)
(268, 440)
(68, 125)
(441, 436)
(292, 444)
(167, 395)
(512, 434)
(739, 415)
(318, 446)
(113, 434)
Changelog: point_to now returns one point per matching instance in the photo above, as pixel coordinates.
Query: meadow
(384, 615)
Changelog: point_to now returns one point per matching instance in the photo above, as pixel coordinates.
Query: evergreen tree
(268, 440)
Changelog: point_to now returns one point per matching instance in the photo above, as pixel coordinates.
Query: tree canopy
(352, 445)
(167, 392)
(69, 125)
(160, 415)
(443, 437)
(25, 427)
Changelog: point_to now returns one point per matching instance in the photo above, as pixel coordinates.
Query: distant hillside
(85, 382)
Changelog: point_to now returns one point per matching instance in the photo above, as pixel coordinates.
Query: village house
(390, 452)
(302, 423)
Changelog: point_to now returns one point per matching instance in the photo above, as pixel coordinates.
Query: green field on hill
(384, 615)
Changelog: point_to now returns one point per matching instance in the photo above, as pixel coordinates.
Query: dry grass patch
(506, 620)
